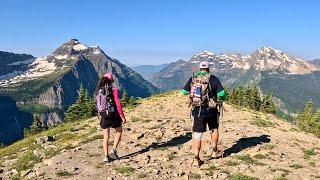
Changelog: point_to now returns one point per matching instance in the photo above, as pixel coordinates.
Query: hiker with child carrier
(206, 98)
(110, 114)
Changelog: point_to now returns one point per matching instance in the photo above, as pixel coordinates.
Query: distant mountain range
(48, 85)
(292, 81)
(12, 64)
(316, 61)
(147, 71)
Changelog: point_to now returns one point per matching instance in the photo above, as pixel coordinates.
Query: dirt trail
(157, 145)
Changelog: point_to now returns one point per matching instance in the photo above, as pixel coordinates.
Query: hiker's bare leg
(117, 137)
(196, 151)
(106, 134)
(214, 137)
(214, 142)
(196, 147)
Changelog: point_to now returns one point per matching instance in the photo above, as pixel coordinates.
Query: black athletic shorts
(112, 120)
(207, 117)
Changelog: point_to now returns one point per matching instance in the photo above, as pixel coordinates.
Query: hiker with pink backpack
(110, 114)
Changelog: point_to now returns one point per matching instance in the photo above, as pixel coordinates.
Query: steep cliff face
(64, 92)
(12, 120)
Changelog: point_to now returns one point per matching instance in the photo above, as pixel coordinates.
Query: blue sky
(161, 31)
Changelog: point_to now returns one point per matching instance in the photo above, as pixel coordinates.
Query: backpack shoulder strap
(210, 88)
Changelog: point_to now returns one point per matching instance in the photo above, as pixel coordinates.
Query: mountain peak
(205, 53)
(73, 48)
(268, 49)
(73, 44)
(202, 56)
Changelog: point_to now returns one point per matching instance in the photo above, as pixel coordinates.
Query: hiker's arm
(221, 92)
(186, 89)
(115, 92)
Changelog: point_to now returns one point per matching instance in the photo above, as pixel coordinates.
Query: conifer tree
(36, 127)
(267, 105)
(256, 100)
(236, 96)
(125, 98)
(247, 97)
(82, 108)
(93, 106)
(316, 123)
(316, 117)
(239, 96)
(305, 118)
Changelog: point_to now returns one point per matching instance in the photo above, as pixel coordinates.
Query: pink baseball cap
(108, 76)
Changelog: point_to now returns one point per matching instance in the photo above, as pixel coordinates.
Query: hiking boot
(213, 152)
(114, 155)
(107, 159)
(196, 162)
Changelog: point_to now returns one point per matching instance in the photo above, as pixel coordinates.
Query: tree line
(250, 97)
(309, 120)
(83, 108)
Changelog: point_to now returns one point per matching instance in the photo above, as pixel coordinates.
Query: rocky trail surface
(156, 144)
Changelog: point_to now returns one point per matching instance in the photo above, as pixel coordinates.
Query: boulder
(73, 169)
(38, 152)
(41, 140)
(146, 159)
(179, 173)
(11, 173)
(31, 175)
(137, 136)
(44, 139)
(39, 172)
(156, 171)
(26, 172)
(221, 176)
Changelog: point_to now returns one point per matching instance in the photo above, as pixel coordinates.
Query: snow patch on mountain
(80, 47)
(39, 68)
(62, 56)
(9, 75)
(41, 65)
(96, 50)
(203, 54)
(194, 61)
(22, 62)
